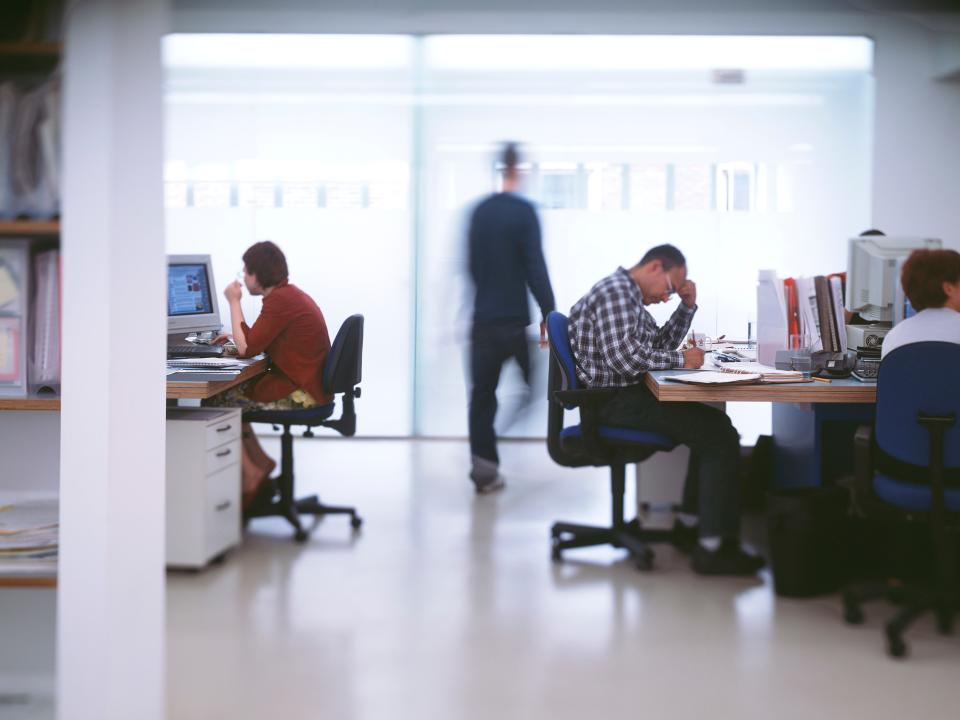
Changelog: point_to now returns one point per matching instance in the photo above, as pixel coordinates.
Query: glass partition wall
(363, 156)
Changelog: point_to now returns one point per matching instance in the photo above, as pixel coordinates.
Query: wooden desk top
(201, 390)
(837, 391)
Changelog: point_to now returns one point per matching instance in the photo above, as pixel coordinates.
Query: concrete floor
(447, 606)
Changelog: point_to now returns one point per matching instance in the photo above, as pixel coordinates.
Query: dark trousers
(491, 347)
(713, 477)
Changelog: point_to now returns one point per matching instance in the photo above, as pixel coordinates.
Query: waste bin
(807, 539)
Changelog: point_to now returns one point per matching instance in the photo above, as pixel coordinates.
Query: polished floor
(447, 606)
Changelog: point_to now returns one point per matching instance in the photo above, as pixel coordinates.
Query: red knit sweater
(292, 331)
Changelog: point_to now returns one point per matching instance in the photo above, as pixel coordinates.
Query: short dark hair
(266, 261)
(873, 232)
(666, 254)
(924, 274)
(510, 157)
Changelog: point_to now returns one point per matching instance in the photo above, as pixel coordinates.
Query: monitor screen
(188, 290)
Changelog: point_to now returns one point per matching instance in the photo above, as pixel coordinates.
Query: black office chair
(907, 470)
(591, 443)
(341, 376)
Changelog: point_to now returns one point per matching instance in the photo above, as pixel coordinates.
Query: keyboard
(194, 351)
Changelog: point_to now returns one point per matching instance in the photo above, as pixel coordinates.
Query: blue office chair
(907, 468)
(590, 443)
(341, 376)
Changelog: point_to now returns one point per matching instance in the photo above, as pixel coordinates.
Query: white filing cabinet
(203, 484)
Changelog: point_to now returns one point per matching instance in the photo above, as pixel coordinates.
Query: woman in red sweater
(292, 332)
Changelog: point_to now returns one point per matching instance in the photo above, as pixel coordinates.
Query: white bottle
(771, 317)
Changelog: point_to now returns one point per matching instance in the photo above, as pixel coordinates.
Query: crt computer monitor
(191, 295)
(873, 274)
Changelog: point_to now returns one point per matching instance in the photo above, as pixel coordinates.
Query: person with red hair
(292, 331)
(931, 281)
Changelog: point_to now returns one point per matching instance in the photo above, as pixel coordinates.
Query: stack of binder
(14, 294)
(44, 364)
(812, 308)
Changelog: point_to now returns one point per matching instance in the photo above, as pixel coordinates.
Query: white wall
(916, 146)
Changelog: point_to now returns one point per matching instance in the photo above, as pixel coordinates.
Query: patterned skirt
(236, 397)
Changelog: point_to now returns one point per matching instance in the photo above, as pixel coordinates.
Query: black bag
(807, 533)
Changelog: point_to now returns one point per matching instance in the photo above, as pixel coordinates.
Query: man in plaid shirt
(615, 341)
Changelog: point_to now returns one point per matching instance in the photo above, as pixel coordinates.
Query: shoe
(728, 559)
(685, 537)
(490, 486)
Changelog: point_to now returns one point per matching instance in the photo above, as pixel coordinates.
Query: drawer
(222, 511)
(223, 456)
(223, 432)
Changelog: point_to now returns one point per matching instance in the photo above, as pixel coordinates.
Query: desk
(837, 391)
(201, 390)
(813, 423)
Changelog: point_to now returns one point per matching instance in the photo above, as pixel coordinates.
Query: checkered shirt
(615, 340)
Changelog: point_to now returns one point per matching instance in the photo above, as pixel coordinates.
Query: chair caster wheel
(300, 536)
(644, 563)
(944, 624)
(356, 522)
(896, 647)
(852, 615)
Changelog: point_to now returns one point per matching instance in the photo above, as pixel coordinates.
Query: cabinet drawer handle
(224, 428)
(223, 506)
(223, 453)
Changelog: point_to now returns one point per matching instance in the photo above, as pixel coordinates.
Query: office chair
(591, 443)
(341, 375)
(907, 468)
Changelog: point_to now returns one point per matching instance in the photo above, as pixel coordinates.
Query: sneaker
(728, 559)
(490, 486)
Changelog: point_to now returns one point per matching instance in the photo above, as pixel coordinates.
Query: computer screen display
(188, 290)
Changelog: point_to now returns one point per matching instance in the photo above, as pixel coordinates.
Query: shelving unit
(35, 402)
(29, 581)
(29, 59)
(30, 56)
(30, 228)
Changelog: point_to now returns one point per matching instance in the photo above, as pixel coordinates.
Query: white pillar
(110, 635)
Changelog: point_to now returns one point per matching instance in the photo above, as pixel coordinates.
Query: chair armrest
(585, 396)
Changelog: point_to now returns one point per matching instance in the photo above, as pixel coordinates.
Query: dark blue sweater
(505, 258)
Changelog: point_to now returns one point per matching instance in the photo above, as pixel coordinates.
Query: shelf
(28, 581)
(31, 402)
(20, 56)
(30, 227)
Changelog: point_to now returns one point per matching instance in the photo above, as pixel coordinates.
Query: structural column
(110, 635)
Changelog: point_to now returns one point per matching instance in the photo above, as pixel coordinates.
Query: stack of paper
(29, 538)
(764, 373)
(202, 369)
(707, 377)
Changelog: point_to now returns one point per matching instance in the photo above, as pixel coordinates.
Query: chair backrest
(562, 376)
(344, 366)
(560, 352)
(919, 378)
